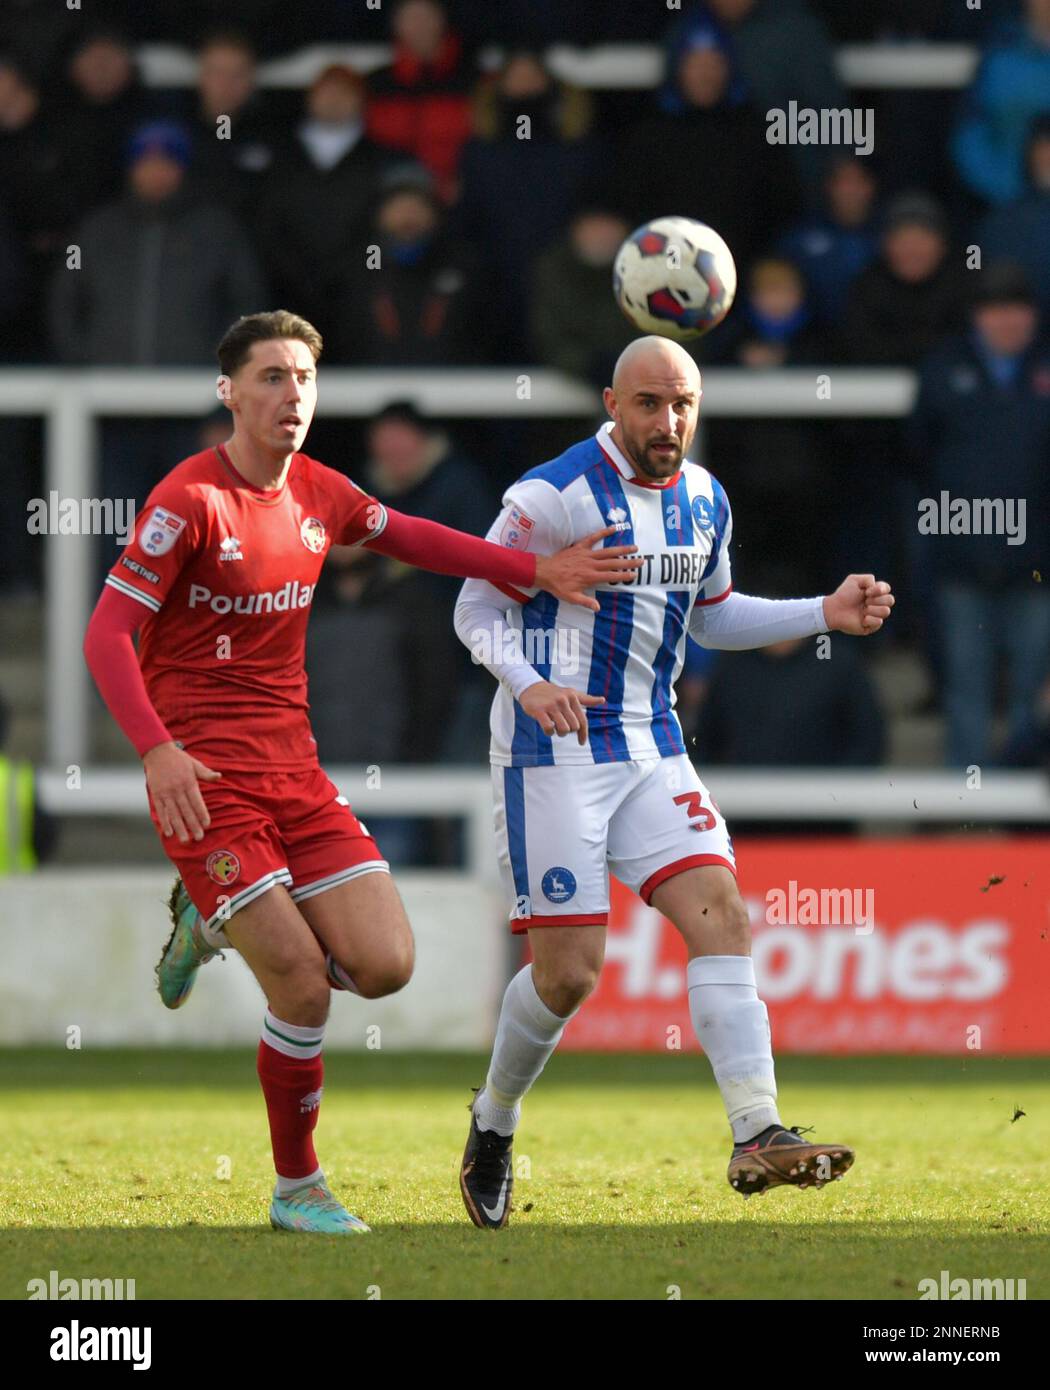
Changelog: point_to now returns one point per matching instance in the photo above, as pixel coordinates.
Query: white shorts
(561, 829)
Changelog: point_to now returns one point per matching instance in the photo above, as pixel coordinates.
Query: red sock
(292, 1087)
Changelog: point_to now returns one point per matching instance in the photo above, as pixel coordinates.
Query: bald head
(654, 401)
(653, 358)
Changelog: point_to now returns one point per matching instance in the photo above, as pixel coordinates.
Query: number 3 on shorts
(697, 811)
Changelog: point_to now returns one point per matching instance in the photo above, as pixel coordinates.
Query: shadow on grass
(43, 1068)
(702, 1260)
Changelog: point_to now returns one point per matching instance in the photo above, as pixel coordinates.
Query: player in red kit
(217, 581)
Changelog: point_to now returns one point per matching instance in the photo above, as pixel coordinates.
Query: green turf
(111, 1162)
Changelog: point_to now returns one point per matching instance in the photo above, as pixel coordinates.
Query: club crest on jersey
(222, 866)
(312, 534)
(558, 885)
(230, 549)
(703, 513)
(161, 531)
(517, 530)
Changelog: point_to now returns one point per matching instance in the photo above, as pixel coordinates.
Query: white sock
(732, 1027)
(286, 1185)
(526, 1035)
(337, 974)
(214, 935)
(292, 1039)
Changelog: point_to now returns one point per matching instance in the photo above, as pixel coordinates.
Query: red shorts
(267, 828)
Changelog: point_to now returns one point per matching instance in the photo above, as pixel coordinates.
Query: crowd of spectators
(443, 210)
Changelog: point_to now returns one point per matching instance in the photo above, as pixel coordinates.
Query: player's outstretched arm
(859, 606)
(429, 545)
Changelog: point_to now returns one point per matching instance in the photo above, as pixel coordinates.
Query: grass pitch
(155, 1165)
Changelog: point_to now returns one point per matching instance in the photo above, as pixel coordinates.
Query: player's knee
(385, 976)
(566, 987)
(302, 998)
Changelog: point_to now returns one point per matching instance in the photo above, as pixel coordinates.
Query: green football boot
(313, 1208)
(185, 952)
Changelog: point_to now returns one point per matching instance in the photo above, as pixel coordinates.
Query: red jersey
(228, 572)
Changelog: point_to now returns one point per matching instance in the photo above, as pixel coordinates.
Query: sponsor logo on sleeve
(517, 530)
(140, 570)
(161, 531)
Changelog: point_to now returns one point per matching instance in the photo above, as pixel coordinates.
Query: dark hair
(238, 339)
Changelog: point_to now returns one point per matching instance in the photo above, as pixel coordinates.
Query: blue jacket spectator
(834, 246)
(1020, 231)
(981, 430)
(1012, 86)
(982, 425)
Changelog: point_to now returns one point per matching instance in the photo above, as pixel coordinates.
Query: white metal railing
(70, 400)
(892, 796)
(611, 66)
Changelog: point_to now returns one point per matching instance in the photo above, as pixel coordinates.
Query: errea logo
(230, 549)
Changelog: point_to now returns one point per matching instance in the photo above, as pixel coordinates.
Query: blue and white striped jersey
(632, 650)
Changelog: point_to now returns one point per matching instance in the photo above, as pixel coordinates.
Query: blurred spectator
(708, 157)
(443, 696)
(101, 102)
(785, 706)
(28, 834)
(420, 104)
(1020, 231)
(983, 414)
(522, 173)
(161, 277)
(783, 54)
(912, 294)
(1012, 86)
(423, 303)
(40, 194)
(774, 469)
(162, 273)
(910, 297)
(774, 326)
(414, 467)
(834, 246)
(317, 202)
(577, 326)
(229, 167)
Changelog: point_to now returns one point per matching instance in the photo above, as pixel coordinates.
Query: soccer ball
(675, 277)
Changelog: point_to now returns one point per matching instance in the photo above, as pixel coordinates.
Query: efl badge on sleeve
(161, 531)
(517, 530)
